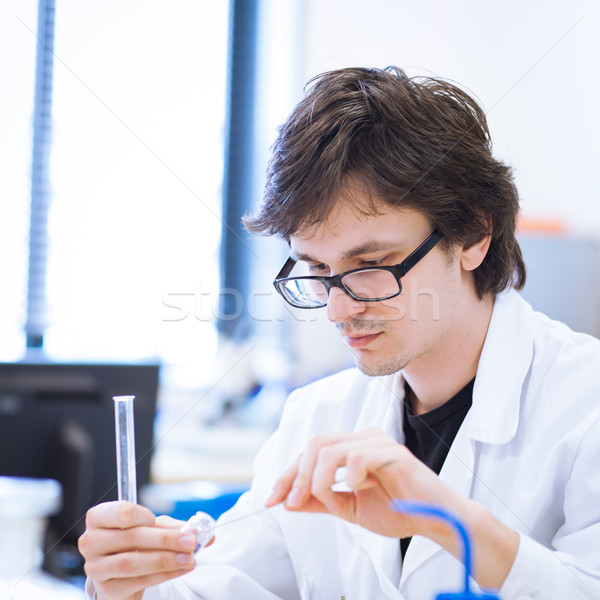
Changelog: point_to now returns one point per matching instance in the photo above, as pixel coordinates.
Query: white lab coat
(529, 449)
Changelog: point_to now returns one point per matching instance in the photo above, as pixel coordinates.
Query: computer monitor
(57, 421)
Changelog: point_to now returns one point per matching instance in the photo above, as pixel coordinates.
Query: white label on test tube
(125, 441)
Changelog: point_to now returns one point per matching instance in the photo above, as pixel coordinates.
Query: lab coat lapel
(457, 472)
(503, 366)
(384, 555)
(494, 416)
(383, 409)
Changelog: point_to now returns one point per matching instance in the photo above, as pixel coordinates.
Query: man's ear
(472, 257)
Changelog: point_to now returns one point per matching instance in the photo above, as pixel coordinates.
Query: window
(136, 171)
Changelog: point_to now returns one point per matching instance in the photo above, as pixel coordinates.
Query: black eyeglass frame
(398, 271)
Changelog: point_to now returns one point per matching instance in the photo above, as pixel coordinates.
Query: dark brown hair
(417, 143)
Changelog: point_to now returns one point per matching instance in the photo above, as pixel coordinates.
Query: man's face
(421, 324)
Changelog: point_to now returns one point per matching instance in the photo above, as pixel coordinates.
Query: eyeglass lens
(370, 284)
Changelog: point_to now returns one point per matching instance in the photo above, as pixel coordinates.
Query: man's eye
(372, 263)
(318, 269)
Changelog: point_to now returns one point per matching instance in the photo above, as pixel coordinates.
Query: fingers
(122, 526)
(376, 469)
(294, 484)
(124, 589)
(283, 485)
(127, 549)
(379, 455)
(184, 541)
(380, 463)
(168, 522)
(118, 515)
(138, 564)
(360, 458)
(124, 574)
(110, 541)
(313, 474)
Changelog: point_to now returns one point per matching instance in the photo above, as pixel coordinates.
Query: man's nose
(341, 306)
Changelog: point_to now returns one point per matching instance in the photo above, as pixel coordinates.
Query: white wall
(533, 65)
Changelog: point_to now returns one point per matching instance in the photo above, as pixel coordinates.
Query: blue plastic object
(431, 510)
(180, 500)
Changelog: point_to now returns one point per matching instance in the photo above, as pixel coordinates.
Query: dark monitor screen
(57, 421)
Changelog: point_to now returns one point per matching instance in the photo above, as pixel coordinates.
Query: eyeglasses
(369, 284)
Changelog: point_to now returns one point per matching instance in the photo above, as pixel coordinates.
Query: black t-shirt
(430, 435)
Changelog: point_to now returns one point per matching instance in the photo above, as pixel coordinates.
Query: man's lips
(358, 340)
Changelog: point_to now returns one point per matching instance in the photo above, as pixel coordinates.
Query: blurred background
(134, 135)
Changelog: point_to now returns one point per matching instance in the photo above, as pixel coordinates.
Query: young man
(401, 225)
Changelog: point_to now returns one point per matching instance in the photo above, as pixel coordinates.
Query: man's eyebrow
(366, 248)
(300, 256)
(369, 247)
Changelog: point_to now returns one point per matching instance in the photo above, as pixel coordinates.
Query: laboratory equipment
(25, 503)
(57, 422)
(436, 512)
(182, 499)
(203, 525)
(125, 443)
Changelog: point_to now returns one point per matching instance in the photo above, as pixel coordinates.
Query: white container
(24, 506)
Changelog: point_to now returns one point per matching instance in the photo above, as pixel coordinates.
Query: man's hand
(127, 549)
(379, 469)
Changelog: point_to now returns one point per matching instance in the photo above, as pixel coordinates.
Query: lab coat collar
(494, 417)
(504, 363)
(503, 366)
(383, 408)
(457, 473)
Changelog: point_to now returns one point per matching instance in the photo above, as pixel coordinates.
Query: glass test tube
(125, 441)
